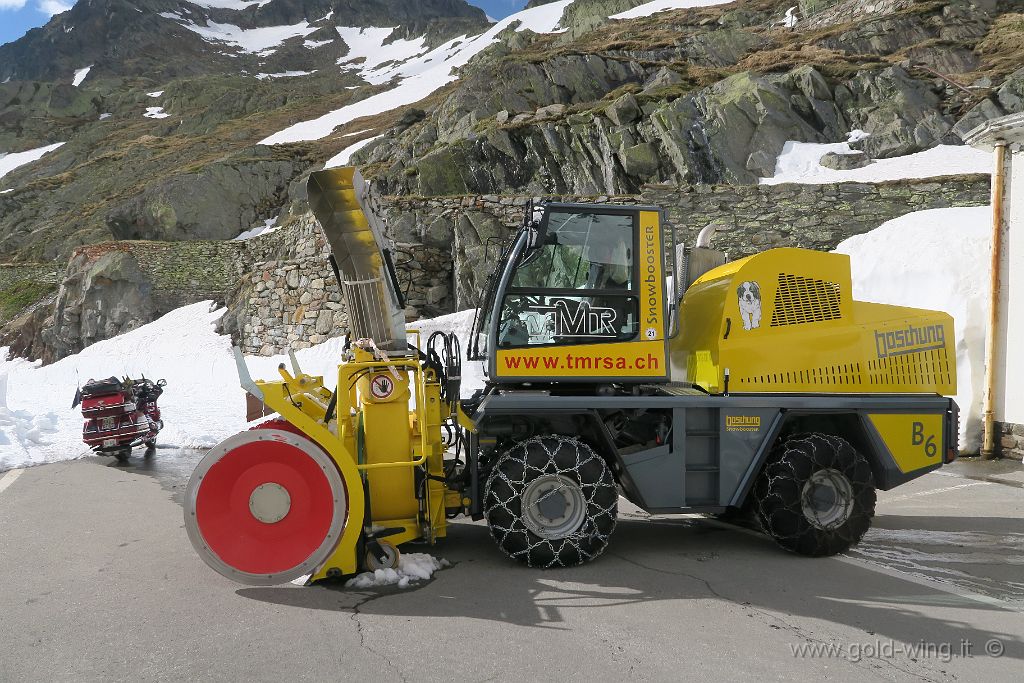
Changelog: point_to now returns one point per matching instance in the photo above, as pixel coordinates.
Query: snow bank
(421, 75)
(155, 113)
(936, 259)
(9, 162)
(80, 75)
(461, 324)
(202, 404)
(649, 8)
(412, 567)
(21, 432)
(799, 163)
(342, 157)
(155, 93)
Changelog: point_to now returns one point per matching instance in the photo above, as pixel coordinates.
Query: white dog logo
(750, 304)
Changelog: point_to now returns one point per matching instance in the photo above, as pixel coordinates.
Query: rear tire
(122, 455)
(551, 501)
(816, 495)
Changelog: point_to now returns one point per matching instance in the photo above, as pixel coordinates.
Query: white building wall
(1009, 404)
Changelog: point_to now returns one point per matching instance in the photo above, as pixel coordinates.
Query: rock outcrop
(635, 105)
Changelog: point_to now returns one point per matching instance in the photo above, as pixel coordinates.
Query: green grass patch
(20, 295)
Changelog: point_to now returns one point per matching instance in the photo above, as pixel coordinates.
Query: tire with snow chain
(551, 501)
(816, 495)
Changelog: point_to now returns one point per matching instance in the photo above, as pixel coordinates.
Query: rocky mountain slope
(160, 131)
(706, 96)
(184, 121)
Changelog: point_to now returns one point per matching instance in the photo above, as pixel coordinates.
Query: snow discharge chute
(347, 212)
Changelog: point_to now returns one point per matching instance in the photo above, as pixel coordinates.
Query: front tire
(816, 495)
(551, 501)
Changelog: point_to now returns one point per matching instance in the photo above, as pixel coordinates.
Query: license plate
(109, 442)
(107, 423)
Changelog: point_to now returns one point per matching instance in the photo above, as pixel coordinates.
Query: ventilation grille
(921, 368)
(845, 374)
(922, 371)
(800, 300)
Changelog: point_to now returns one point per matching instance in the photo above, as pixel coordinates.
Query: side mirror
(161, 383)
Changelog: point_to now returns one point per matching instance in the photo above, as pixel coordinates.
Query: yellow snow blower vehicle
(616, 362)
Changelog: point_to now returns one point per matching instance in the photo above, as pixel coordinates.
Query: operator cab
(578, 296)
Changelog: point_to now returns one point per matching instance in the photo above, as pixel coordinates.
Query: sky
(18, 16)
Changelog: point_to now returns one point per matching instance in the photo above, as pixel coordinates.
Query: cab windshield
(576, 287)
(580, 251)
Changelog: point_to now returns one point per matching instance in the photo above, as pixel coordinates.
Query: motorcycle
(120, 414)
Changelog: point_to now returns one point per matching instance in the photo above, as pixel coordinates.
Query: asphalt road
(98, 582)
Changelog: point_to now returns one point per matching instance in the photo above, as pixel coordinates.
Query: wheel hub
(244, 513)
(553, 506)
(827, 499)
(270, 502)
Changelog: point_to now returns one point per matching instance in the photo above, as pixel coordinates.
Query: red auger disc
(265, 506)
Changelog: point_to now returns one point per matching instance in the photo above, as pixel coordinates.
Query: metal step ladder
(702, 456)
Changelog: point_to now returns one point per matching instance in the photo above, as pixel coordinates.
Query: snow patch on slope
(936, 259)
(263, 40)
(21, 432)
(649, 8)
(342, 157)
(155, 113)
(80, 75)
(421, 75)
(286, 74)
(9, 162)
(262, 228)
(367, 44)
(799, 163)
(228, 4)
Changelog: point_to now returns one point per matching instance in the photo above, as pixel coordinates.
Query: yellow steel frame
(302, 400)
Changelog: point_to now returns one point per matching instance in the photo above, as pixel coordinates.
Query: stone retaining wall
(748, 218)
(294, 299)
(1010, 440)
(281, 291)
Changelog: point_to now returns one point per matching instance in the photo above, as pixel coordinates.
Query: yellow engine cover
(785, 320)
